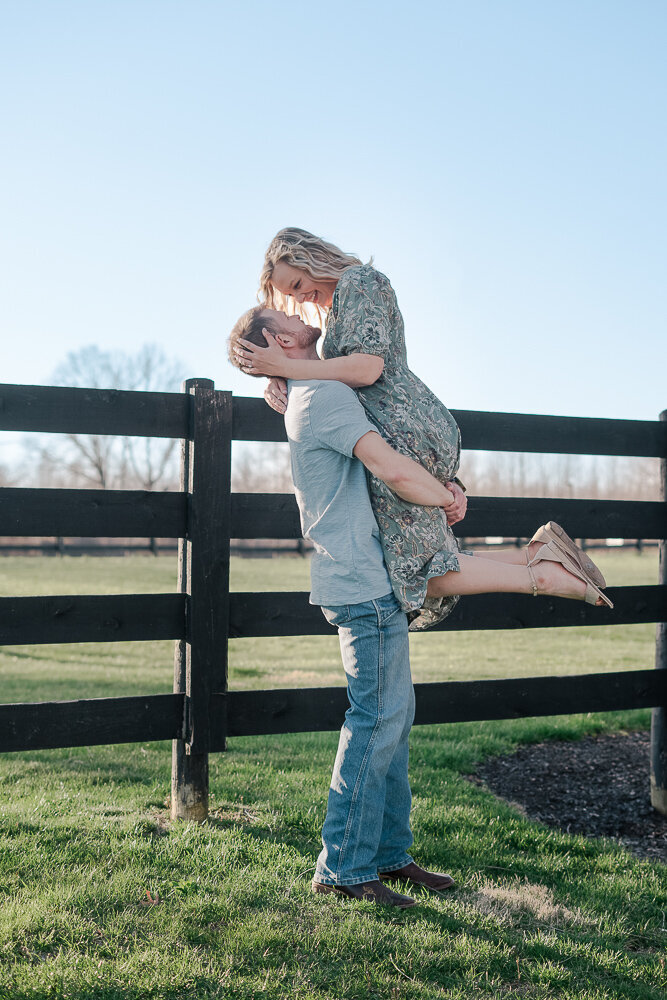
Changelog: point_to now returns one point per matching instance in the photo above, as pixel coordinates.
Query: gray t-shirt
(324, 421)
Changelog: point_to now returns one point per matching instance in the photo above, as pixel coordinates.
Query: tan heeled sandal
(552, 532)
(550, 552)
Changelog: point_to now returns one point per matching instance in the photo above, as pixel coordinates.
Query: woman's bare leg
(513, 556)
(478, 575)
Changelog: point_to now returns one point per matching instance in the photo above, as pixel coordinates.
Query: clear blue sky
(504, 162)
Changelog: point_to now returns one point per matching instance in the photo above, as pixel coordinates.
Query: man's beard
(309, 336)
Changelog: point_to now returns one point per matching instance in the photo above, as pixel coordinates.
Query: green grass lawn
(102, 897)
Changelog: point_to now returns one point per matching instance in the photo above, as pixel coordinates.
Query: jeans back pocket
(338, 615)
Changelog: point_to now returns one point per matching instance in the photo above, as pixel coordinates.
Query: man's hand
(270, 360)
(456, 511)
(275, 394)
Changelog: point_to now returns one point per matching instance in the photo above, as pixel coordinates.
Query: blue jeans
(367, 826)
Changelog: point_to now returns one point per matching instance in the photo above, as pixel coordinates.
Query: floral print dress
(417, 541)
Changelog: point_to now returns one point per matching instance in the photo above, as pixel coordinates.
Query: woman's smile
(299, 284)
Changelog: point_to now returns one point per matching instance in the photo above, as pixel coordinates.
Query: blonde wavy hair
(300, 249)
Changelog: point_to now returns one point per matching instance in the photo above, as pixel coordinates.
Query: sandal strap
(532, 575)
(551, 552)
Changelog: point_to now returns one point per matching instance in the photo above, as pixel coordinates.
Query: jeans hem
(360, 880)
(394, 868)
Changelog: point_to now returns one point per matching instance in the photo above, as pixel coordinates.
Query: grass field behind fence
(95, 670)
(102, 897)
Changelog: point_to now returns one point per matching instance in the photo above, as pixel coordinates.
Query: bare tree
(262, 468)
(107, 461)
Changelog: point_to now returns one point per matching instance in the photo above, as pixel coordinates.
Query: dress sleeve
(364, 314)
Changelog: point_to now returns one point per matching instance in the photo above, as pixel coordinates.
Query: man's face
(293, 326)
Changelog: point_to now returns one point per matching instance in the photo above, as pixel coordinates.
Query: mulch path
(598, 786)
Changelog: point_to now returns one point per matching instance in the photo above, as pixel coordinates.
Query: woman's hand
(456, 510)
(270, 360)
(275, 394)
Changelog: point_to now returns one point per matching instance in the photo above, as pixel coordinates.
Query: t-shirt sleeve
(337, 418)
(364, 307)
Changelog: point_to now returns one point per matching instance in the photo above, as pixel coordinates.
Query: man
(366, 833)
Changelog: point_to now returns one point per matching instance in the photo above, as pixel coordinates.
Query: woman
(364, 347)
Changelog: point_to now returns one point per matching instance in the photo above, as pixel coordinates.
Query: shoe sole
(325, 889)
(422, 885)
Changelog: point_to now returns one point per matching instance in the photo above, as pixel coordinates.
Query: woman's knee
(443, 586)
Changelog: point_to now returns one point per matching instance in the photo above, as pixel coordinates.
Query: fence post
(659, 715)
(200, 661)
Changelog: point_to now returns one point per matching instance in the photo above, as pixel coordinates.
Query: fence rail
(92, 513)
(72, 618)
(95, 721)
(252, 713)
(275, 515)
(284, 613)
(57, 410)
(481, 431)
(202, 615)
(91, 722)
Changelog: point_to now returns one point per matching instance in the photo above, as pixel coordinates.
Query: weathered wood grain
(275, 515)
(72, 618)
(659, 714)
(207, 555)
(255, 713)
(289, 613)
(264, 515)
(92, 513)
(90, 722)
(65, 410)
(560, 435)
(142, 514)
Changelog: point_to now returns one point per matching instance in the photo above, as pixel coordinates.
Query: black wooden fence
(202, 615)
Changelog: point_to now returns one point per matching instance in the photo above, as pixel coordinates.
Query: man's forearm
(405, 477)
(354, 370)
(413, 483)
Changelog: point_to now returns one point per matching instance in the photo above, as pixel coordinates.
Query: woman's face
(292, 281)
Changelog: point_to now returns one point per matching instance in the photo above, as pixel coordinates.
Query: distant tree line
(106, 461)
(109, 462)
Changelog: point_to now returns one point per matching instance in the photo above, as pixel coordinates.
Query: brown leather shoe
(419, 876)
(371, 892)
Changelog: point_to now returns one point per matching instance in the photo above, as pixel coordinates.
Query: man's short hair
(249, 327)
